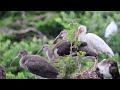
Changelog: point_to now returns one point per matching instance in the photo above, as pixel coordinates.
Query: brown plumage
(37, 65)
(83, 47)
(63, 48)
(2, 72)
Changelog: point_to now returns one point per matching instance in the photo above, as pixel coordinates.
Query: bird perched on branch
(94, 42)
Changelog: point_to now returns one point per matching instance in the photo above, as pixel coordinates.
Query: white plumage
(95, 43)
(111, 28)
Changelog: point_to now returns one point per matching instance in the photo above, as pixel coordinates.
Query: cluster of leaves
(51, 23)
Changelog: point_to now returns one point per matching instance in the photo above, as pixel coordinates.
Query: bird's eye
(97, 69)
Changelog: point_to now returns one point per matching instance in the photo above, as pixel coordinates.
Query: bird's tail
(110, 53)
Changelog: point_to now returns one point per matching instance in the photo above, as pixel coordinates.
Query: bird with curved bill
(37, 65)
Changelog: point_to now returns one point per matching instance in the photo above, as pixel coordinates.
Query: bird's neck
(22, 61)
(65, 37)
(50, 54)
(81, 37)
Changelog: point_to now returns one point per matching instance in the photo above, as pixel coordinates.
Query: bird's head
(81, 30)
(108, 69)
(44, 48)
(62, 35)
(21, 54)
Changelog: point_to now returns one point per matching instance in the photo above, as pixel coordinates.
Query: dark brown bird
(83, 47)
(108, 69)
(37, 65)
(2, 72)
(64, 47)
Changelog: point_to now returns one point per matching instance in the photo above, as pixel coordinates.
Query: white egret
(111, 29)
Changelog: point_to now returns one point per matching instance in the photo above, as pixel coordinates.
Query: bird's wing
(63, 48)
(41, 68)
(98, 43)
(59, 44)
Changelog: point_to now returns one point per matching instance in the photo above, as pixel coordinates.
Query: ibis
(37, 65)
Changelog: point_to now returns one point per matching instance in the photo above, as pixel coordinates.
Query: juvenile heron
(37, 65)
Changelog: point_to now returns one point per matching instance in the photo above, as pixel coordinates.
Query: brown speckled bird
(37, 65)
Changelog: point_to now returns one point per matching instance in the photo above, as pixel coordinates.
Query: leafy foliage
(51, 23)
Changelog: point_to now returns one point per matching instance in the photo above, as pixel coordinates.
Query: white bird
(111, 28)
(95, 43)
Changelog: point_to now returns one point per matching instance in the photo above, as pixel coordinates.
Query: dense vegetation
(50, 23)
